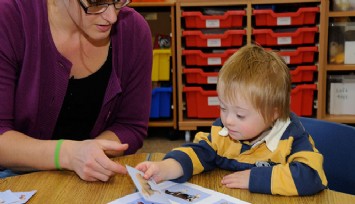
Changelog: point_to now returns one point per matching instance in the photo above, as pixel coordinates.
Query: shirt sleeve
(131, 111)
(195, 157)
(301, 174)
(11, 38)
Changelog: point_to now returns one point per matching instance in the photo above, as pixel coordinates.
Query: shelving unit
(155, 13)
(322, 113)
(188, 124)
(179, 120)
(293, 30)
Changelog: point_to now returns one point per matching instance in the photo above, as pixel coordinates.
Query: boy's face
(241, 119)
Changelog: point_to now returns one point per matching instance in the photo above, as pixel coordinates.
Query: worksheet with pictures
(187, 193)
(147, 188)
(174, 193)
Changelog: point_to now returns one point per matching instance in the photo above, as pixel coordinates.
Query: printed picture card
(171, 192)
(147, 188)
(8, 197)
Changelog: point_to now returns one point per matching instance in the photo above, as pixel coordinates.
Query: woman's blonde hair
(259, 76)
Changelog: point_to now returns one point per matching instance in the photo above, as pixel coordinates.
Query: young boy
(256, 136)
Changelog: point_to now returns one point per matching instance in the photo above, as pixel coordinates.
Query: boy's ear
(276, 114)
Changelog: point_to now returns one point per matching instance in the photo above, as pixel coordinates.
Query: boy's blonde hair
(260, 77)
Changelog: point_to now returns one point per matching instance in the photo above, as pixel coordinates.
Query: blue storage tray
(161, 102)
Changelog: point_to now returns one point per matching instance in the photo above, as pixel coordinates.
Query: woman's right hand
(88, 159)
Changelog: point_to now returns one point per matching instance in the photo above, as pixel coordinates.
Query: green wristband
(56, 155)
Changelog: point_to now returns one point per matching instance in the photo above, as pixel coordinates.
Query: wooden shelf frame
(179, 120)
(183, 122)
(325, 68)
(166, 3)
(192, 124)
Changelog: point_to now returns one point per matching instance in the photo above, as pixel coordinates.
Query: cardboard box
(349, 45)
(342, 97)
(349, 57)
(341, 41)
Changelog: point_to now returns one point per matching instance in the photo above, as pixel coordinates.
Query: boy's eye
(240, 116)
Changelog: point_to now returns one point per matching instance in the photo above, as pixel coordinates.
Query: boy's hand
(239, 179)
(160, 171)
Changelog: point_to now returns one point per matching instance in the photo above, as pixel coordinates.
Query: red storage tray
(197, 57)
(195, 38)
(302, 99)
(198, 76)
(201, 103)
(303, 73)
(299, 37)
(195, 19)
(205, 104)
(303, 16)
(299, 56)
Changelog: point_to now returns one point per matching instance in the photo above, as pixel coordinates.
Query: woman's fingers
(91, 163)
(108, 145)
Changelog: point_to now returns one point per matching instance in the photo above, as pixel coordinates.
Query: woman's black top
(82, 104)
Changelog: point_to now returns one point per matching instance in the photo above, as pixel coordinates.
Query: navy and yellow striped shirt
(295, 167)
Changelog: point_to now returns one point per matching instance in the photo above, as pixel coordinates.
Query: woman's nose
(110, 14)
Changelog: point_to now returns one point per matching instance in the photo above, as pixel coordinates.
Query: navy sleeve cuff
(260, 180)
(186, 163)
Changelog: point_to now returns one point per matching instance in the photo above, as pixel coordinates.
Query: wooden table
(67, 187)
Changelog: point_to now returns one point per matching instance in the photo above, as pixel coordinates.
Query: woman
(75, 85)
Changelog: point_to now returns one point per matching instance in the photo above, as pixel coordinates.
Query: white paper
(342, 97)
(185, 193)
(349, 57)
(8, 197)
(149, 190)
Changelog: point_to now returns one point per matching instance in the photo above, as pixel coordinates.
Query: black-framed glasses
(102, 7)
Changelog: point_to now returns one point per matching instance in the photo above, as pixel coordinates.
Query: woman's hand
(88, 159)
(239, 179)
(162, 170)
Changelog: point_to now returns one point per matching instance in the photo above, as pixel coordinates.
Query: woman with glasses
(75, 85)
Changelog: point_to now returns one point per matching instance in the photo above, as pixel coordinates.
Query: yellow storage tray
(161, 65)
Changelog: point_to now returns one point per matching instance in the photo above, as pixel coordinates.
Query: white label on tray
(284, 40)
(214, 61)
(284, 21)
(213, 42)
(213, 101)
(287, 59)
(212, 24)
(212, 80)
